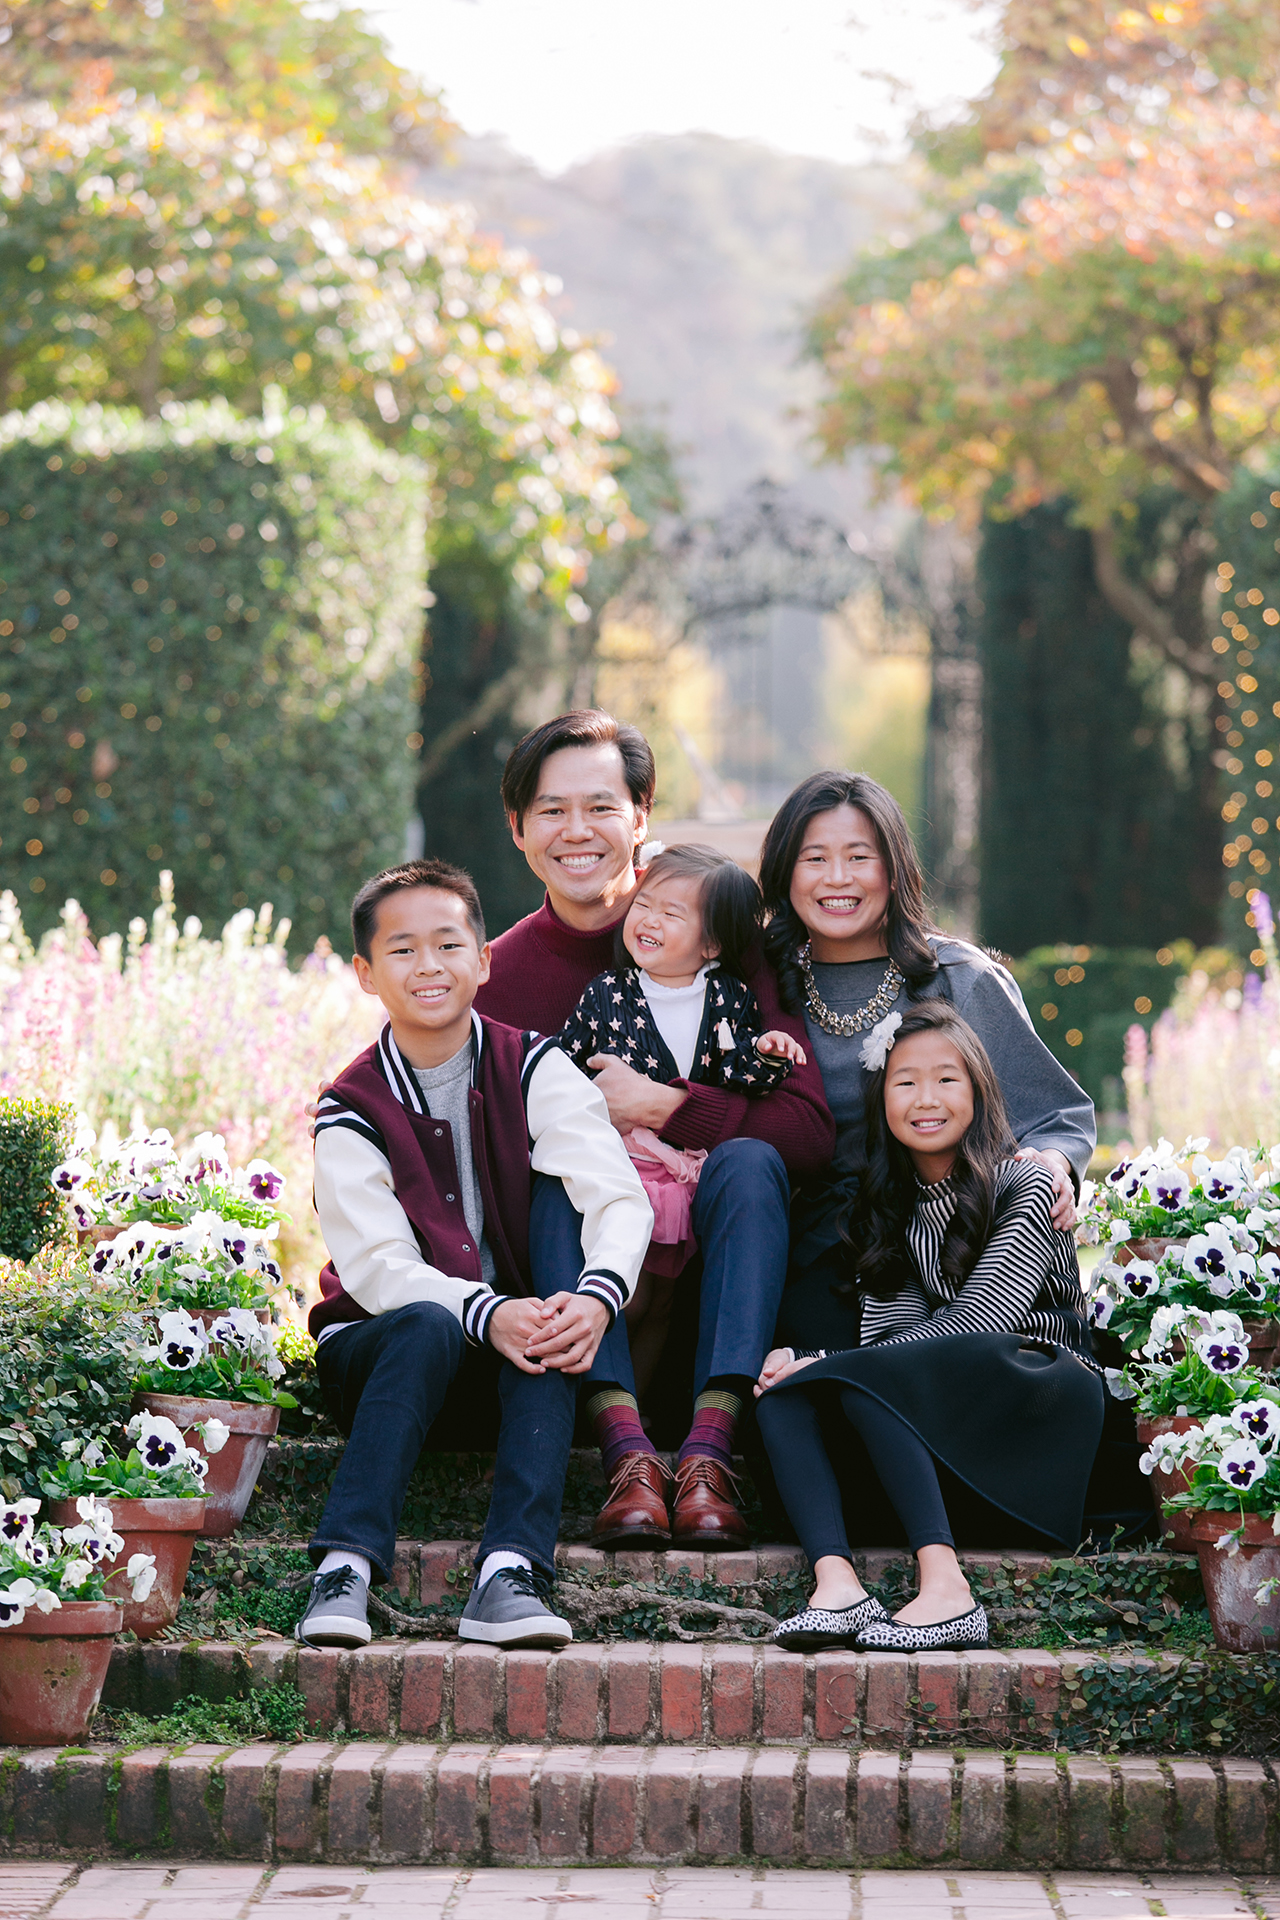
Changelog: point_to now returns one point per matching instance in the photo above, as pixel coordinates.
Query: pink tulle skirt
(669, 1175)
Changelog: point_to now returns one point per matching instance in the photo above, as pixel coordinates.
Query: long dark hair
(909, 923)
(876, 1225)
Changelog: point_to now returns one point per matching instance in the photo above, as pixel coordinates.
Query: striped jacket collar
(400, 1076)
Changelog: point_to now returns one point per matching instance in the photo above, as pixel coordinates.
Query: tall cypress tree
(1098, 796)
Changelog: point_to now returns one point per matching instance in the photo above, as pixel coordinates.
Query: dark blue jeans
(384, 1382)
(740, 1217)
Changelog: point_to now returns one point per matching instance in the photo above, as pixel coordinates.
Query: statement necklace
(847, 1024)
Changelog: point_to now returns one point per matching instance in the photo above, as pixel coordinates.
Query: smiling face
(928, 1101)
(663, 929)
(580, 833)
(425, 967)
(840, 886)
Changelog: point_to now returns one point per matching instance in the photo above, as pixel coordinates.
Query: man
(577, 792)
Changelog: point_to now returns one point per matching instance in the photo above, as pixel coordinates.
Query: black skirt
(1017, 1421)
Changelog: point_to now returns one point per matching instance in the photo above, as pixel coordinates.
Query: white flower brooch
(878, 1044)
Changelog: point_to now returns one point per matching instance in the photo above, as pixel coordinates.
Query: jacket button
(450, 1196)
(439, 1133)
(465, 1247)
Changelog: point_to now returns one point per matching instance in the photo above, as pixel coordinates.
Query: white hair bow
(878, 1044)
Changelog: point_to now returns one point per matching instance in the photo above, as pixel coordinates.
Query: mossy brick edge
(478, 1803)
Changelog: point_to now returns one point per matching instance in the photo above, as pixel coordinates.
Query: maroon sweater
(540, 969)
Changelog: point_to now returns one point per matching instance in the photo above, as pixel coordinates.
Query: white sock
(340, 1557)
(495, 1562)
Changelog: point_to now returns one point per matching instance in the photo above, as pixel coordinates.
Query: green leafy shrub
(1096, 994)
(34, 1136)
(65, 1368)
(209, 630)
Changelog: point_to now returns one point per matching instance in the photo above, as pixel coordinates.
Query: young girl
(675, 1008)
(973, 1350)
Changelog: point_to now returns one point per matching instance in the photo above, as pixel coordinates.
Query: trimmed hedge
(209, 640)
(1094, 994)
(35, 1136)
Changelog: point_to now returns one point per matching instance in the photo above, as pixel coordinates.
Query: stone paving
(32, 1890)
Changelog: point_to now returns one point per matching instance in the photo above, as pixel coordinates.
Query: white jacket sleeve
(574, 1140)
(370, 1240)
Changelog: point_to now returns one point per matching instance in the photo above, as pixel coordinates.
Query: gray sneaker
(510, 1610)
(337, 1611)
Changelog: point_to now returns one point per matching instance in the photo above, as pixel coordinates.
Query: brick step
(639, 1692)
(423, 1568)
(475, 1804)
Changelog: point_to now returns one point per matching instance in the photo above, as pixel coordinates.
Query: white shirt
(677, 1013)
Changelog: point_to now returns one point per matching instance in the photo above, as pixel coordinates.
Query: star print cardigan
(613, 1016)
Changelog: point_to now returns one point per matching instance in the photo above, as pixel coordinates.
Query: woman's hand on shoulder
(780, 1364)
(781, 1043)
(1063, 1211)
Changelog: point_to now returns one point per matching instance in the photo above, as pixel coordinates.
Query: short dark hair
(439, 875)
(908, 924)
(729, 898)
(584, 727)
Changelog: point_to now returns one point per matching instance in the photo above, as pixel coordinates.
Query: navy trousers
(385, 1381)
(740, 1217)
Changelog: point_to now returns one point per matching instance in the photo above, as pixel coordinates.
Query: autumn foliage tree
(1091, 313)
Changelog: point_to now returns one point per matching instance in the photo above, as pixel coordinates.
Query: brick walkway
(33, 1891)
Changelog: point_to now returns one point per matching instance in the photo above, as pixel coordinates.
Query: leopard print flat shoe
(819, 1629)
(957, 1635)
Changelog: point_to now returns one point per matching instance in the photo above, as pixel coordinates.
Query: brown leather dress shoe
(636, 1509)
(705, 1514)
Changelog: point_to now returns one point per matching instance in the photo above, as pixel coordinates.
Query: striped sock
(715, 1420)
(615, 1418)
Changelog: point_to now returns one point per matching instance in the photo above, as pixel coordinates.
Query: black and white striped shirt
(1026, 1280)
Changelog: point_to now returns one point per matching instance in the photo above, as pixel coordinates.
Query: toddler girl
(676, 1009)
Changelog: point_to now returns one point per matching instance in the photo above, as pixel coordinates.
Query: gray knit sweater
(1047, 1108)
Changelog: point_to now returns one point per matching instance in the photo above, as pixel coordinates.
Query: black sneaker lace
(532, 1582)
(332, 1585)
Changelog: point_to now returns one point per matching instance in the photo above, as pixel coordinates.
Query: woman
(974, 1352)
(851, 941)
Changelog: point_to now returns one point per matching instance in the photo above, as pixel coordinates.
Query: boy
(427, 1149)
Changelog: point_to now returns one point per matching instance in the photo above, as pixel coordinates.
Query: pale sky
(562, 79)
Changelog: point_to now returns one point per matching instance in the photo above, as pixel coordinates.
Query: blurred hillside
(694, 261)
(698, 258)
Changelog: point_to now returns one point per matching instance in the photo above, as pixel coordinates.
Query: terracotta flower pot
(233, 1473)
(1144, 1250)
(1231, 1580)
(1176, 1525)
(52, 1670)
(166, 1528)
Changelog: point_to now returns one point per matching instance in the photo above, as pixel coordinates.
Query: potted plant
(156, 1494)
(225, 1372)
(207, 1267)
(56, 1626)
(145, 1178)
(1234, 1500)
(1219, 1249)
(1196, 1368)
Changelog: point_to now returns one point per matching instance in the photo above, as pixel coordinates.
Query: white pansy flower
(1119, 1230)
(1140, 1279)
(141, 1573)
(1241, 1465)
(1168, 1188)
(215, 1435)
